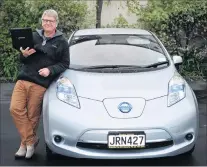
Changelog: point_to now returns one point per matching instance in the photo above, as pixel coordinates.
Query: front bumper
(85, 131)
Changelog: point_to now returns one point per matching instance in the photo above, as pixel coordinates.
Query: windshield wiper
(156, 64)
(112, 66)
(125, 66)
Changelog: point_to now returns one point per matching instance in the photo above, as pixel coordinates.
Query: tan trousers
(25, 109)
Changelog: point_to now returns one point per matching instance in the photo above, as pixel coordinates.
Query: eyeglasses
(49, 21)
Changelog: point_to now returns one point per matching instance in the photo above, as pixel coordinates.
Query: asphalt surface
(9, 140)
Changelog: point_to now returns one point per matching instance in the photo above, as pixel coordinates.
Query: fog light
(189, 136)
(58, 139)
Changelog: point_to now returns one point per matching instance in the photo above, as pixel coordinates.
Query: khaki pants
(25, 109)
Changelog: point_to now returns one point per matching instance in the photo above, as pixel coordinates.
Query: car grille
(104, 146)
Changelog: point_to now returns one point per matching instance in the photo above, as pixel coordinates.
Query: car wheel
(189, 153)
(49, 153)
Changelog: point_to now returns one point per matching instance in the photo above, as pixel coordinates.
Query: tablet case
(22, 37)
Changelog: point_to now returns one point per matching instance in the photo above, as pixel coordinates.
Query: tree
(99, 4)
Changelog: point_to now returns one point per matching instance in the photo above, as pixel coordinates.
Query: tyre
(189, 153)
(49, 153)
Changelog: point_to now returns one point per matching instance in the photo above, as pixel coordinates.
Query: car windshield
(114, 50)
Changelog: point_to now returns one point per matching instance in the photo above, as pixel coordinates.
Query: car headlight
(66, 92)
(176, 90)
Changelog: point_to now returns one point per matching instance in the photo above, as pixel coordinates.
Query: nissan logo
(125, 107)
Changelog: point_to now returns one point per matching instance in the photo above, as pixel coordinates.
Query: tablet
(22, 37)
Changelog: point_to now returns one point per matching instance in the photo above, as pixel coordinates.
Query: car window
(97, 50)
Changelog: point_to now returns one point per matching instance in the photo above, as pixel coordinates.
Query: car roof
(102, 31)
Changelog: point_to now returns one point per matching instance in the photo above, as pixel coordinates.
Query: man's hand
(27, 52)
(44, 72)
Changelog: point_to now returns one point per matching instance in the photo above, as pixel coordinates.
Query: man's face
(48, 23)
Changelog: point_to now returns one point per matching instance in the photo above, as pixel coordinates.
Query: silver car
(121, 98)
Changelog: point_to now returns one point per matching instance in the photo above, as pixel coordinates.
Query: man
(41, 65)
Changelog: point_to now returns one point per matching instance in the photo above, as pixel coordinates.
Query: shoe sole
(35, 145)
(19, 157)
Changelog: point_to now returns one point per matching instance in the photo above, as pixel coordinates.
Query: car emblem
(125, 107)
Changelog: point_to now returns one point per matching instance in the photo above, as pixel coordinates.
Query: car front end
(82, 130)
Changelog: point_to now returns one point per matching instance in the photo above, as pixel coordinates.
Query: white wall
(113, 9)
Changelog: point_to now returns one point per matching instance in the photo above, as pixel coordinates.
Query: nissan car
(122, 97)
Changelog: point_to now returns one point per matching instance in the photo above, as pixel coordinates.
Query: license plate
(126, 140)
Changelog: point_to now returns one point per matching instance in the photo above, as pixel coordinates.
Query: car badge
(125, 107)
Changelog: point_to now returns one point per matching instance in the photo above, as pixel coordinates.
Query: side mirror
(177, 60)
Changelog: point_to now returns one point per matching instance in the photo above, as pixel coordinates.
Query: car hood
(100, 86)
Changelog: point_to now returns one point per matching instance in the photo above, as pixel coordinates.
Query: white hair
(51, 13)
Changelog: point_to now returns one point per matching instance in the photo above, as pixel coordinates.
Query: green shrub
(13, 14)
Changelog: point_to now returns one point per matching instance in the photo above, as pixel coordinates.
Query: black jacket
(54, 55)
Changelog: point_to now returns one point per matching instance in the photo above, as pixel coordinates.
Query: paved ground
(9, 141)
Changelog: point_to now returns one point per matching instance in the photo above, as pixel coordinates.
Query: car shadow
(170, 161)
